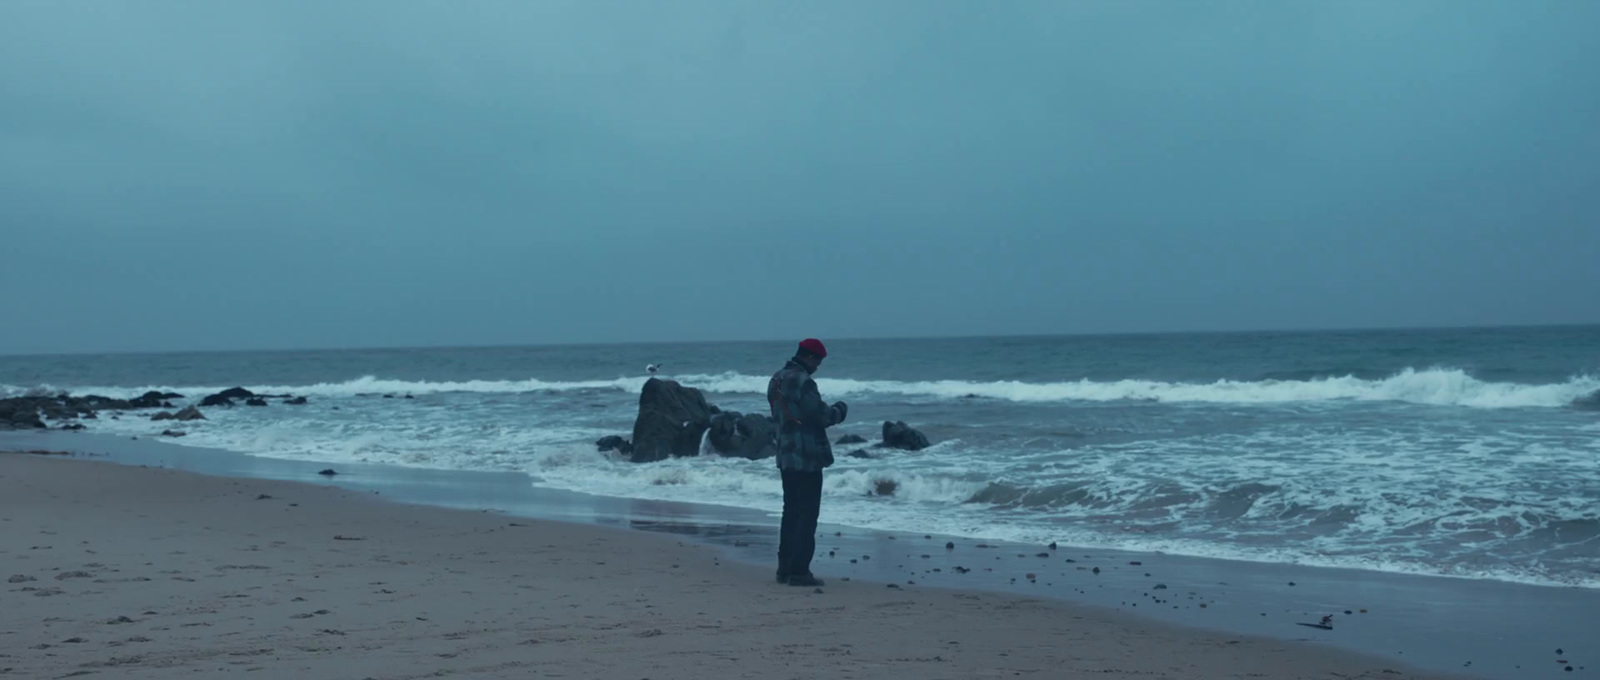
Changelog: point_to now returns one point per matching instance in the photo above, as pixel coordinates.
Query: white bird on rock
(652, 369)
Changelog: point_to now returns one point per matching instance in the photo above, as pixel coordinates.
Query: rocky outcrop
(672, 418)
(256, 401)
(236, 393)
(216, 400)
(150, 399)
(297, 401)
(898, 435)
(614, 443)
(21, 419)
(67, 407)
(851, 439)
(752, 436)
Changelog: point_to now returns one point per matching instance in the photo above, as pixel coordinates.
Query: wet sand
(144, 572)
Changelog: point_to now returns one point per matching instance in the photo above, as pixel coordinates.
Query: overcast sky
(281, 173)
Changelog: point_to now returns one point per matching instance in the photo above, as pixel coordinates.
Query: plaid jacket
(803, 420)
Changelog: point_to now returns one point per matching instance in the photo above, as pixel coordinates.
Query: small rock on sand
(20, 578)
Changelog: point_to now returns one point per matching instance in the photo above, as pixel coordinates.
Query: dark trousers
(797, 540)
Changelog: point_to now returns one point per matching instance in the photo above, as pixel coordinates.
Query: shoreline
(1435, 623)
(152, 572)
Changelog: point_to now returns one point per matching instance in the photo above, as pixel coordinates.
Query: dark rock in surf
(614, 443)
(329, 472)
(216, 400)
(1588, 402)
(860, 453)
(189, 413)
(150, 399)
(898, 435)
(72, 426)
(297, 401)
(173, 433)
(672, 418)
(94, 402)
(255, 402)
(852, 439)
(884, 487)
(163, 415)
(752, 436)
(23, 419)
(236, 393)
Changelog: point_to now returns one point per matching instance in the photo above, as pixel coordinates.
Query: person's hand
(844, 409)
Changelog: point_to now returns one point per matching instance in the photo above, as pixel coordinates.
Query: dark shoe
(804, 580)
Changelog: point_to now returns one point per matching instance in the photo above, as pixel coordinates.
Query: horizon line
(1100, 334)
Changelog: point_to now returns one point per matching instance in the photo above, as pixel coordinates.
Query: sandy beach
(143, 572)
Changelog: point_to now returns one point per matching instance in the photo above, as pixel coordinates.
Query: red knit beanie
(814, 346)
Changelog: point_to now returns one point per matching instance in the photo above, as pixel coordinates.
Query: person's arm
(815, 410)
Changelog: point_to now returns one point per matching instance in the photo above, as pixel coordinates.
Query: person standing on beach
(803, 451)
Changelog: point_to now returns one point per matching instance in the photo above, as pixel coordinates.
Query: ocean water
(1468, 453)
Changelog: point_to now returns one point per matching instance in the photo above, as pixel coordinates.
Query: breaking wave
(1436, 386)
